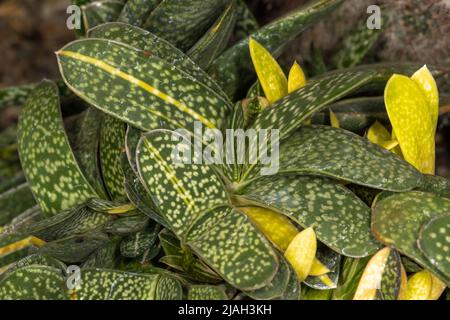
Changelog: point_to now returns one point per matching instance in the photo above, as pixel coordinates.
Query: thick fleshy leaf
(271, 77)
(277, 286)
(425, 80)
(301, 252)
(47, 159)
(15, 96)
(297, 78)
(340, 219)
(127, 225)
(419, 286)
(33, 282)
(434, 242)
(215, 40)
(233, 69)
(144, 40)
(135, 12)
(137, 244)
(246, 22)
(435, 184)
(202, 292)
(130, 85)
(410, 117)
(234, 248)
(112, 142)
(98, 12)
(16, 246)
(15, 201)
(379, 135)
(351, 272)
(192, 188)
(188, 20)
(340, 154)
(398, 218)
(327, 268)
(276, 227)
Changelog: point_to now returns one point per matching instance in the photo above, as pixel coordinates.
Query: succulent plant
(99, 209)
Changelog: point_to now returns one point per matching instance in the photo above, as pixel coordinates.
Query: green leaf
(127, 225)
(47, 159)
(168, 288)
(34, 259)
(270, 75)
(150, 94)
(189, 20)
(351, 272)
(15, 201)
(215, 40)
(233, 69)
(397, 220)
(98, 12)
(312, 149)
(204, 292)
(435, 184)
(246, 22)
(103, 257)
(434, 243)
(391, 279)
(15, 96)
(112, 142)
(322, 204)
(135, 245)
(135, 12)
(331, 260)
(33, 282)
(148, 42)
(196, 270)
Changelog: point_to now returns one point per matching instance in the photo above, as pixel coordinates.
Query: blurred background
(31, 30)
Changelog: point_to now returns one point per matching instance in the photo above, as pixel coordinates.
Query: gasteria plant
(105, 212)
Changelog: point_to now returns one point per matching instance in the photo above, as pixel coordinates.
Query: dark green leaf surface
(331, 260)
(34, 259)
(127, 225)
(15, 96)
(196, 270)
(15, 201)
(135, 12)
(435, 184)
(233, 69)
(340, 154)
(204, 292)
(351, 272)
(246, 22)
(103, 257)
(137, 87)
(112, 142)
(434, 242)
(135, 245)
(397, 219)
(98, 12)
(215, 40)
(339, 218)
(168, 288)
(47, 159)
(189, 20)
(293, 288)
(33, 283)
(144, 40)
(391, 278)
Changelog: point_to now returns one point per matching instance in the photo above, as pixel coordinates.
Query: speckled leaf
(112, 142)
(85, 146)
(15, 201)
(189, 20)
(419, 286)
(202, 292)
(411, 121)
(99, 12)
(135, 245)
(270, 75)
(246, 22)
(320, 203)
(15, 96)
(135, 12)
(392, 278)
(434, 242)
(77, 220)
(234, 248)
(293, 288)
(181, 191)
(132, 138)
(330, 260)
(426, 82)
(74, 249)
(312, 149)
(275, 226)
(33, 283)
(168, 288)
(34, 259)
(397, 219)
(287, 114)
(103, 284)
(47, 159)
(147, 41)
(301, 252)
(116, 70)
(127, 225)
(233, 69)
(435, 184)
(103, 257)
(277, 286)
(16, 246)
(297, 78)
(351, 272)
(215, 40)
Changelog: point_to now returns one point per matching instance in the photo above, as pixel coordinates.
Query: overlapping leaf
(135, 12)
(99, 12)
(340, 219)
(15, 201)
(204, 292)
(137, 87)
(47, 159)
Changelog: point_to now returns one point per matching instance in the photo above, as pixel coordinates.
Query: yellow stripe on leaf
(270, 75)
(297, 78)
(142, 84)
(318, 268)
(334, 121)
(18, 245)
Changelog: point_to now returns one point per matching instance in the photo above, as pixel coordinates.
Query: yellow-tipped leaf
(301, 252)
(297, 78)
